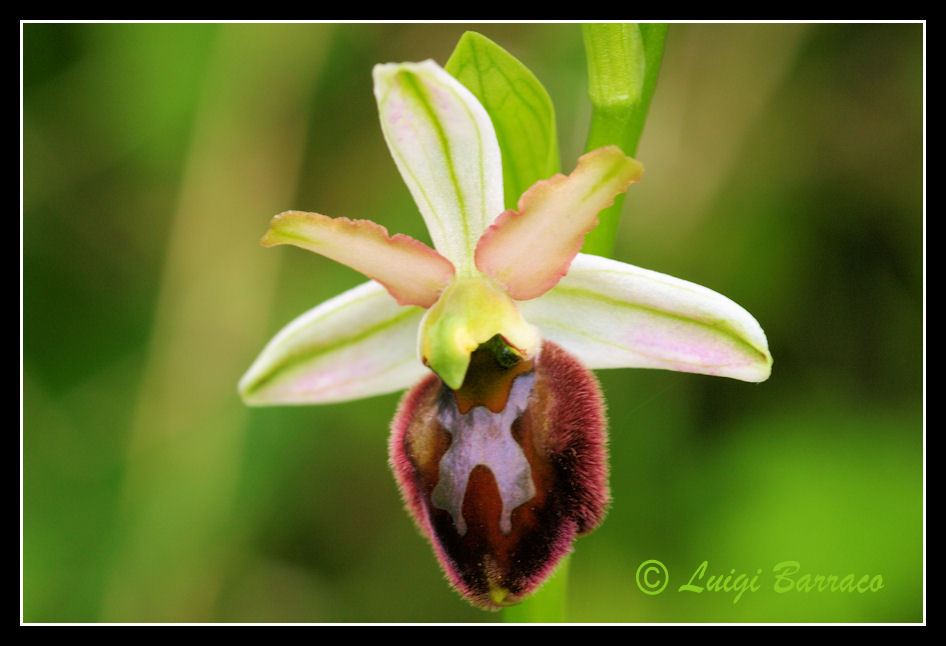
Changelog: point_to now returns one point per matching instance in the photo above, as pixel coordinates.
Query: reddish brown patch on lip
(487, 383)
(562, 435)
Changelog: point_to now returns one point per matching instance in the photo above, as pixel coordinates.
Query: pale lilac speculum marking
(482, 437)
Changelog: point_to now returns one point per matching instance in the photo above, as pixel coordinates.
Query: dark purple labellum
(503, 474)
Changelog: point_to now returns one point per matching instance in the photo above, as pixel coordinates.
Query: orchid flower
(499, 447)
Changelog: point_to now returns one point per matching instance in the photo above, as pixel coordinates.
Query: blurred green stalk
(182, 523)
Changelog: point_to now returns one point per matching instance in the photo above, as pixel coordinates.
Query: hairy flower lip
(562, 433)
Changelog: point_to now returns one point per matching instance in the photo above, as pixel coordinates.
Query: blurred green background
(784, 169)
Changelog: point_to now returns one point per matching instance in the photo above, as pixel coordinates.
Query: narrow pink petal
(412, 272)
(529, 251)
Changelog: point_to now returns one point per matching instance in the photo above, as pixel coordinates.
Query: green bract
(518, 105)
(515, 274)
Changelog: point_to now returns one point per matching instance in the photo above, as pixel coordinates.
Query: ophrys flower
(499, 448)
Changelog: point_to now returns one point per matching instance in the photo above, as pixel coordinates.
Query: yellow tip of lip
(498, 595)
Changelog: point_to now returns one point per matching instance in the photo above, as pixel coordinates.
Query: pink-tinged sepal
(503, 474)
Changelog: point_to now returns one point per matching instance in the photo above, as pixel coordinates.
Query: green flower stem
(547, 604)
(623, 61)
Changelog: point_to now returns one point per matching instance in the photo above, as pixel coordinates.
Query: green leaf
(519, 106)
